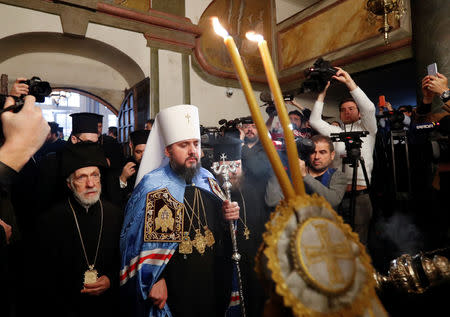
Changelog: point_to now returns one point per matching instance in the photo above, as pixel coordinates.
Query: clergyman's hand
(98, 287)
(127, 171)
(230, 210)
(158, 293)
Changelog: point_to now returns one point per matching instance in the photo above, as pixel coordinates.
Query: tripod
(354, 159)
(402, 138)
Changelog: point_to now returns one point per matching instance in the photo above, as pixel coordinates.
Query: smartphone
(381, 101)
(432, 69)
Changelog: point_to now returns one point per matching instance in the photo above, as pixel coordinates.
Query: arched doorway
(62, 103)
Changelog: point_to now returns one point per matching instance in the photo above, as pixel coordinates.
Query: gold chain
(81, 237)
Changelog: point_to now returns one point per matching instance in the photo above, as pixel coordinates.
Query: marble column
(431, 39)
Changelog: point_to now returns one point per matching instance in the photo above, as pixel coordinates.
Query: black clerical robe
(199, 285)
(254, 213)
(62, 262)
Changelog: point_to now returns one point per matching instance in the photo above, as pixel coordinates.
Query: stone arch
(50, 42)
(90, 95)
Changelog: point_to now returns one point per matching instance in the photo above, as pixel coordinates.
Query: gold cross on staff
(187, 116)
(328, 252)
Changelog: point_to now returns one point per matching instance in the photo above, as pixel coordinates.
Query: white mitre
(172, 125)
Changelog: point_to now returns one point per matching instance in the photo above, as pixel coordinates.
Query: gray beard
(187, 173)
(86, 203)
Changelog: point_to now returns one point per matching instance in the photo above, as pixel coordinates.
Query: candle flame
(218, 28)
(255, 37)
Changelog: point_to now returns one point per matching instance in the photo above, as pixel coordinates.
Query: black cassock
(200, 285)
(61, 261)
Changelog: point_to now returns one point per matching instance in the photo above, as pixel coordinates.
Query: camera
(352, 142)
(395, 118)
(230, 127)
(318, 76)
(38, 88)
(208, 134)
(266, 97)
(305, 147)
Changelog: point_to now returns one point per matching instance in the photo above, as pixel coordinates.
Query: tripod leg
(408, 168)
(353, 194)
(366, 177)
(394, 170)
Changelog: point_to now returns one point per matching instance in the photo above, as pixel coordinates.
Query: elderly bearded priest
(78, 257)
(174, 244)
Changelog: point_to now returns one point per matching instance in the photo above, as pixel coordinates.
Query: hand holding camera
(345, 78)
(24, 133)
(19, 88)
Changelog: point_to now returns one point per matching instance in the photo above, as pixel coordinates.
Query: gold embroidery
(164, 220)
(329, 253)
(164, 217)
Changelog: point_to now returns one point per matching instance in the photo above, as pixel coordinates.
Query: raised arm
(315, 120)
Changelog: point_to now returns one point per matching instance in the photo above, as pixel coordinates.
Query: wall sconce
(380, 9)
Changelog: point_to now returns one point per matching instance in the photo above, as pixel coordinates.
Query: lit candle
(272, 154)
(291, 147)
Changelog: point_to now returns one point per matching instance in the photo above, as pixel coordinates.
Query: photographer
(391, 116)
(357, 114)
(318, 175)
(24, 132)
(433, 86)
(255, 164)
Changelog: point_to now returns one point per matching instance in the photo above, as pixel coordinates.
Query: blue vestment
(143, 262)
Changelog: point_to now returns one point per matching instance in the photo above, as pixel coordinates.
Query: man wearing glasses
(79, 241)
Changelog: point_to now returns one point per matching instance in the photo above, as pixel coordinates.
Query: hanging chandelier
(380, 10)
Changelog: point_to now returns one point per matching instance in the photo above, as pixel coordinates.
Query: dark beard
(250, 140)
(187, 173)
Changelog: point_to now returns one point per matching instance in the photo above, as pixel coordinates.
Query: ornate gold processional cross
(329, 252)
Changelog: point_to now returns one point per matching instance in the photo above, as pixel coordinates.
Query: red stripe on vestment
(153, 256)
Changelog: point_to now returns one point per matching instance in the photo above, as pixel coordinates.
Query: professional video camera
(305, 147)
(395, 118)
(352, 142)
(318, 76)
(208, 134)
(266, 97)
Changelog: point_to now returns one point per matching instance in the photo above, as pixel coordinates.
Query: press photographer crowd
(68, 229)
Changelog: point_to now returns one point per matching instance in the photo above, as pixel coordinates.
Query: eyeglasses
(82, 179)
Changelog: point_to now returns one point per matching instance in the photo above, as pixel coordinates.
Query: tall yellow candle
(272, 154)
(291, 147)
